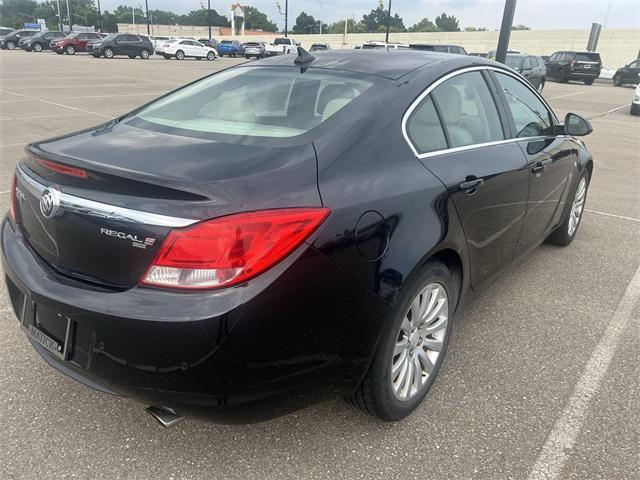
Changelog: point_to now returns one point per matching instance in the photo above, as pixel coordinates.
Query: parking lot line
(562, 437)
(56, 104)
(622, 217)
(626, 105)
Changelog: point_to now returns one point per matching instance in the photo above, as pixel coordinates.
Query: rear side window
(468, 110)
(424, 128)
(277, 102)
(587, 57)
(530, 116)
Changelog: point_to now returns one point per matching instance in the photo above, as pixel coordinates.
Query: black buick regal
(287, 230)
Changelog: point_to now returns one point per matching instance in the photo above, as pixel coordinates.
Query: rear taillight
(230, 250)
(61, 168)
(14, 199)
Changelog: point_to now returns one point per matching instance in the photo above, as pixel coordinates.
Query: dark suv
(10, 42)
(629, 74)
(568, 65)
(121, 44)
(530, 67)
(42, 41)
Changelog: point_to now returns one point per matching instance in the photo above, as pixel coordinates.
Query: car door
(459, 133)
(199, 50)
(553, 64)
(630, 74)
(549, 158)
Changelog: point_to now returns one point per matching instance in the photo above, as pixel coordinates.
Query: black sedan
(288, 229)
(629, 74)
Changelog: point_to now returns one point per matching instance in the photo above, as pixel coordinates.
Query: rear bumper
(583, 75)
(285, 334)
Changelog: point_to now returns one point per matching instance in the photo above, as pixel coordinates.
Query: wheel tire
(108, 53)
(37, 47)
(59, 53)
(131, 56)
(11, 46)
(167, 57)
(144, 54)
(635, 109)
(563, 77)
(589, 81)
(541, 86)
(617, 81)
(563, 235)
(375, 395)
(211, 56)
(179, 55)
(70, 49)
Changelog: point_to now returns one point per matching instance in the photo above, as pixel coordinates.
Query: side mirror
(576, 125)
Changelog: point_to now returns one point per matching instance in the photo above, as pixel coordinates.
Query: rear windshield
(587, 57)
(226, 42)
(277, 102)
(514, 62)
(252, 44)
(281, 41)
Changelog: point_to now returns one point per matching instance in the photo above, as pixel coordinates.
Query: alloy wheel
(180, 55)
(37, 47)
(144, 54)
(70, 50)
(11, 46)
(419, 341)
(577, 206)
(108, 53)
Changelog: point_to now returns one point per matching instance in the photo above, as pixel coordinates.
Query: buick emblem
(50, 202)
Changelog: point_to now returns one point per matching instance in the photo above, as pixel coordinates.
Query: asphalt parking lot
(542, 378)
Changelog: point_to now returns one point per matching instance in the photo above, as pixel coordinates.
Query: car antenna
(303, 57)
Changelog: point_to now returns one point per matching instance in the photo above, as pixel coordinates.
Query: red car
(75, 42)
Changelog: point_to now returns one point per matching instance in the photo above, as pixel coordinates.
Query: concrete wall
(616, 46)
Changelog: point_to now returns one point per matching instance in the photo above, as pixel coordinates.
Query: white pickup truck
(281, 46)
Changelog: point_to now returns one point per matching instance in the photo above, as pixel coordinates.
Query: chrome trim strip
(71, 203)
(445, 151)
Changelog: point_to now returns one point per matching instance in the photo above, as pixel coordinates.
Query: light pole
(209, 16)
(99, 17)
(60, 17)
(505, 30)
(386, 39)
(146, 5)
(286, 16)
(69, 17)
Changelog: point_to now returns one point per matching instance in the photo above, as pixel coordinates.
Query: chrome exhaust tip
(167, 417)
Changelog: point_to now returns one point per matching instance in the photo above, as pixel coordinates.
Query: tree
(447, 23)
(376, 21)
(474, 29)
(254, 19)
(307, 24)
(520, 27)
(424, 25)
(352, 27)
(162, 17)
(199, 17)
(14, 13)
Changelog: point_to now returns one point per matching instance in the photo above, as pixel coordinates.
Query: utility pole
(99, 17)
(209, 17)
(146, 5)
(69, 17)
(286, 16)
(60, 17)
(505, 30)
(386, 39)
(133, 15)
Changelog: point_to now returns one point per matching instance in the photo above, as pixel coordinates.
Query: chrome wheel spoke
(401, 345)
(436, 326)
(434, 344)
(425, 361)
(577, 206)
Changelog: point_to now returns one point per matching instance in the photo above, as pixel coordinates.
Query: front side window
(424, 128)
(468, 111)
(277, 102)
(530, 116)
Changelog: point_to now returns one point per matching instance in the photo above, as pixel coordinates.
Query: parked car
(236, 242)
(606, 73)
(254, 49)
(375, 45)
(282, 45)
(209, 42)
(491, 54)
(157, 40)
(627, 74)
(635, 101)
(231, 48)
(319, 47)
(4, 31)
(75, 42)
(439, 48)
(181, 49)
(530, 67)
(41, 41)
(11, 40)
(121, 44)
(569, 65)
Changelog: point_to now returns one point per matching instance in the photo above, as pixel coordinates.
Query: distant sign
(32, 26)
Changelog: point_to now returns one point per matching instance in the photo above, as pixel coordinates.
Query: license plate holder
(29, 320)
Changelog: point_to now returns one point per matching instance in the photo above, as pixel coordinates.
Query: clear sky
(539, 14)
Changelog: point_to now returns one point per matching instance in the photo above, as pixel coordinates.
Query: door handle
(471, 186)
(541, 166)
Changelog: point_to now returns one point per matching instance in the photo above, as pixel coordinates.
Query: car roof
(389, 63)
